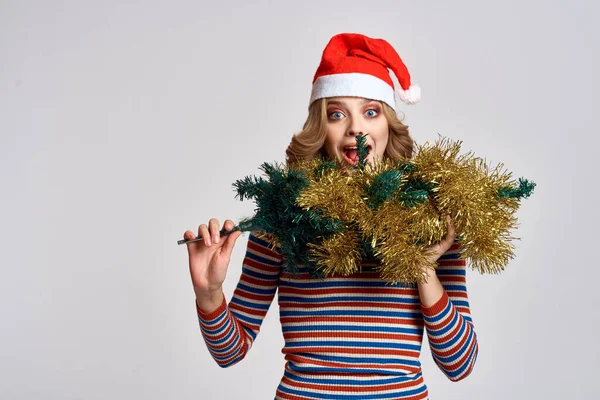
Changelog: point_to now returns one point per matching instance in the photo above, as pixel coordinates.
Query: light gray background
(124, 123)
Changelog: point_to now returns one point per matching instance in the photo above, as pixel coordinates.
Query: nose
(355, 128)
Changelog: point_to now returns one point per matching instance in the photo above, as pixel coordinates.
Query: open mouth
(351, 154)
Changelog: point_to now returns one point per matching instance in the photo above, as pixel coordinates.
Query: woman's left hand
(437, 250)
(432, 290)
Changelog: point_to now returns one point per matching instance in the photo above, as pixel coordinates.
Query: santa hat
(356, 65)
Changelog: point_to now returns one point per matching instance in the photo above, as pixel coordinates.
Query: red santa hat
(356, 65)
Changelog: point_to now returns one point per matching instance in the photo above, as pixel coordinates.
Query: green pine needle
(383, 188)
(323, 167)
(362, 150)
(524, 190)
(415, 192)
(277, 214)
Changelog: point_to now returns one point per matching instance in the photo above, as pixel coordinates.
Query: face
(348, 117)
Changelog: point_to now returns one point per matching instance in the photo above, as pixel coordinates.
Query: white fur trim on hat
(412, 95)
(353, 84)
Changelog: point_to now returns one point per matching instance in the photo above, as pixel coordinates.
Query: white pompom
(410, 96)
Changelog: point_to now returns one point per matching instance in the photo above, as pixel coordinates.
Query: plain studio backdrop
(125, 123)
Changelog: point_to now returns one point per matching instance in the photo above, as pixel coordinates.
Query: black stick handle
(222, 232)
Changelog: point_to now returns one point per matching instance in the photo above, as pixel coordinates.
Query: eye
(372, 112)
(336, 115)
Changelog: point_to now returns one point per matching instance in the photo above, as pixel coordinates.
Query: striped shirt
(346, 337)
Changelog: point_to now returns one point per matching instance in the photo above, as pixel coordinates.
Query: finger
(230, 242)
(228, 225)
(203, 231)
(213, 227)
(451, 229)
(448, 239)
(189, 235)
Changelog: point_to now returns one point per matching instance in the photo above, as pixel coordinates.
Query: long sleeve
(450, 330)
(230, 330)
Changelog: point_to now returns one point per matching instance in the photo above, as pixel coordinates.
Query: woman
(346, 337)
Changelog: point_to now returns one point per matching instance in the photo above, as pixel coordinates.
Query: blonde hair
(309, 142)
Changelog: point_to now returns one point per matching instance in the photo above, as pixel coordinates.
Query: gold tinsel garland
(465, 188)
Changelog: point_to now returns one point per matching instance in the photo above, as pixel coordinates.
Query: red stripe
(356, 305)
(263, 251)
(267, 268)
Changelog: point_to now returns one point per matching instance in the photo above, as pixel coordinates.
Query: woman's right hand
(209, 258)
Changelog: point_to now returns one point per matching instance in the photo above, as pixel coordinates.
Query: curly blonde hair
(309, 142)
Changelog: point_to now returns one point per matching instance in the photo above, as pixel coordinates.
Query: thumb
(230, 242)
(451, 232)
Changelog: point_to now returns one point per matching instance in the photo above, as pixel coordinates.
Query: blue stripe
(262, 242)
(366, 299)
(442, 271)
(250, 332)
(222, 340)
(259, 275)
(451, 325)
(234, 361)
(439, 316)
(255, 306)
(353, 313)
(321, 380)
(254, 290)
(227, 348)
(215, 320)
(253, 321)
(217, 330)
(450, 256)
(378, 371)
(460, 303)
(460, 352)
(442, 347)
(462, 368)
(223, 358)
(262, 260)
(455, 288)
(352, 328)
